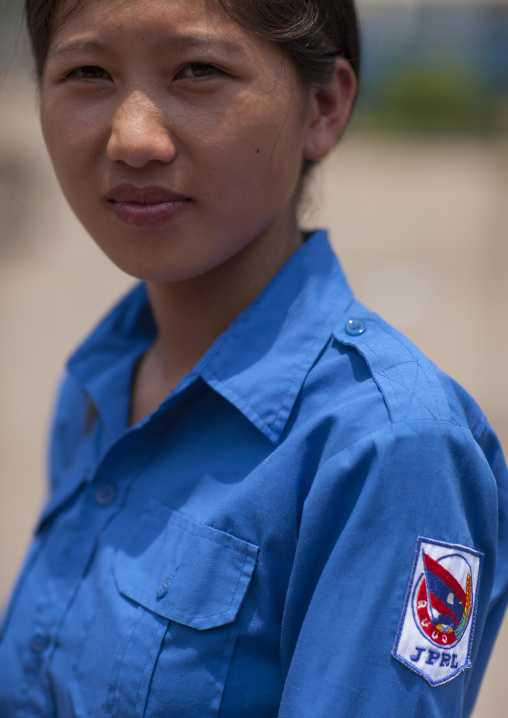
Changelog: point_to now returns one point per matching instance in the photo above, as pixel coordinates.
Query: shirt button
(105, 494)
(39, 642)
(354, 327)
(163, 588)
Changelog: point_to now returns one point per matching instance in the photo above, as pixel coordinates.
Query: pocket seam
(241, 573)
(200, 530)
(174, 610)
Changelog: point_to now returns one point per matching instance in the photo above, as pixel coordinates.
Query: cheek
(72, 138)
(257, 150)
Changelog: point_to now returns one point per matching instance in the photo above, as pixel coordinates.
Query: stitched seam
(244, 552)
(112, 691)
(399, 341)
(480, 427)
(217, 685)
(140, 699)
(419, 367)
(412, 397)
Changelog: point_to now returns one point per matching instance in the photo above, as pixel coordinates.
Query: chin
(150, 267)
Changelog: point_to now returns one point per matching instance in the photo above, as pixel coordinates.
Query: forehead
(159, 25)
(157, 14)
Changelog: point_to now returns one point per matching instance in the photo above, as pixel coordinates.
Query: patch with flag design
(436, 627)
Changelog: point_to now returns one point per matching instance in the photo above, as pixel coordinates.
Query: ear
(330, 107)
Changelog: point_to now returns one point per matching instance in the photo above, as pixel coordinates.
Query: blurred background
(416, 197)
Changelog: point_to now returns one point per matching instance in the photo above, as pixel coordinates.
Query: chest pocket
(185, 583)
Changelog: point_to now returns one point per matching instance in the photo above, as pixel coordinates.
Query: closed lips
(143, 195)
(146, 207)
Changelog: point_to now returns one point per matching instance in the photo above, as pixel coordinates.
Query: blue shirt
(248, 549)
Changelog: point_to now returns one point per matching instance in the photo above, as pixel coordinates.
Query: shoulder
(403, 445)
(372, 384)
(412, 387)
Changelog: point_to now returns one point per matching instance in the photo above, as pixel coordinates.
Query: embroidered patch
(436, 627)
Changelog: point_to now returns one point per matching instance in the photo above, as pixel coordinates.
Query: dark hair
(311, 32)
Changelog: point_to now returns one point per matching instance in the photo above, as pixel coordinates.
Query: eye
(88, 72)
(198, 71)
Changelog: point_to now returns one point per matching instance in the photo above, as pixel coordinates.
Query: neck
(191, 314)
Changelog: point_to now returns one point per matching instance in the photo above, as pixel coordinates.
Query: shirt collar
(280, 335)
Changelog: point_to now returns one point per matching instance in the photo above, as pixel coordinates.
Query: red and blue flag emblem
(450, 604)
(436, 626)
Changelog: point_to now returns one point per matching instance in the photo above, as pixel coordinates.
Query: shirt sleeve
(354, 575)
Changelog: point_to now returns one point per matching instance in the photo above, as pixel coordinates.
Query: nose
(139, 133)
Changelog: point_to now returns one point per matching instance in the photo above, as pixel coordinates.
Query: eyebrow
(180, 43)
(66, 49)
(206, 42)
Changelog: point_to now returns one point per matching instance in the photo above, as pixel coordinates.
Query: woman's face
(177, 136)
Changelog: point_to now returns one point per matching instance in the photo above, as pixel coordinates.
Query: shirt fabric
(246, 549)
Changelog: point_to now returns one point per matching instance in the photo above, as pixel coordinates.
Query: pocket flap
(187, 572)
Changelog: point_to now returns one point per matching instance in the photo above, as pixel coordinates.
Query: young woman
(264, 500)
